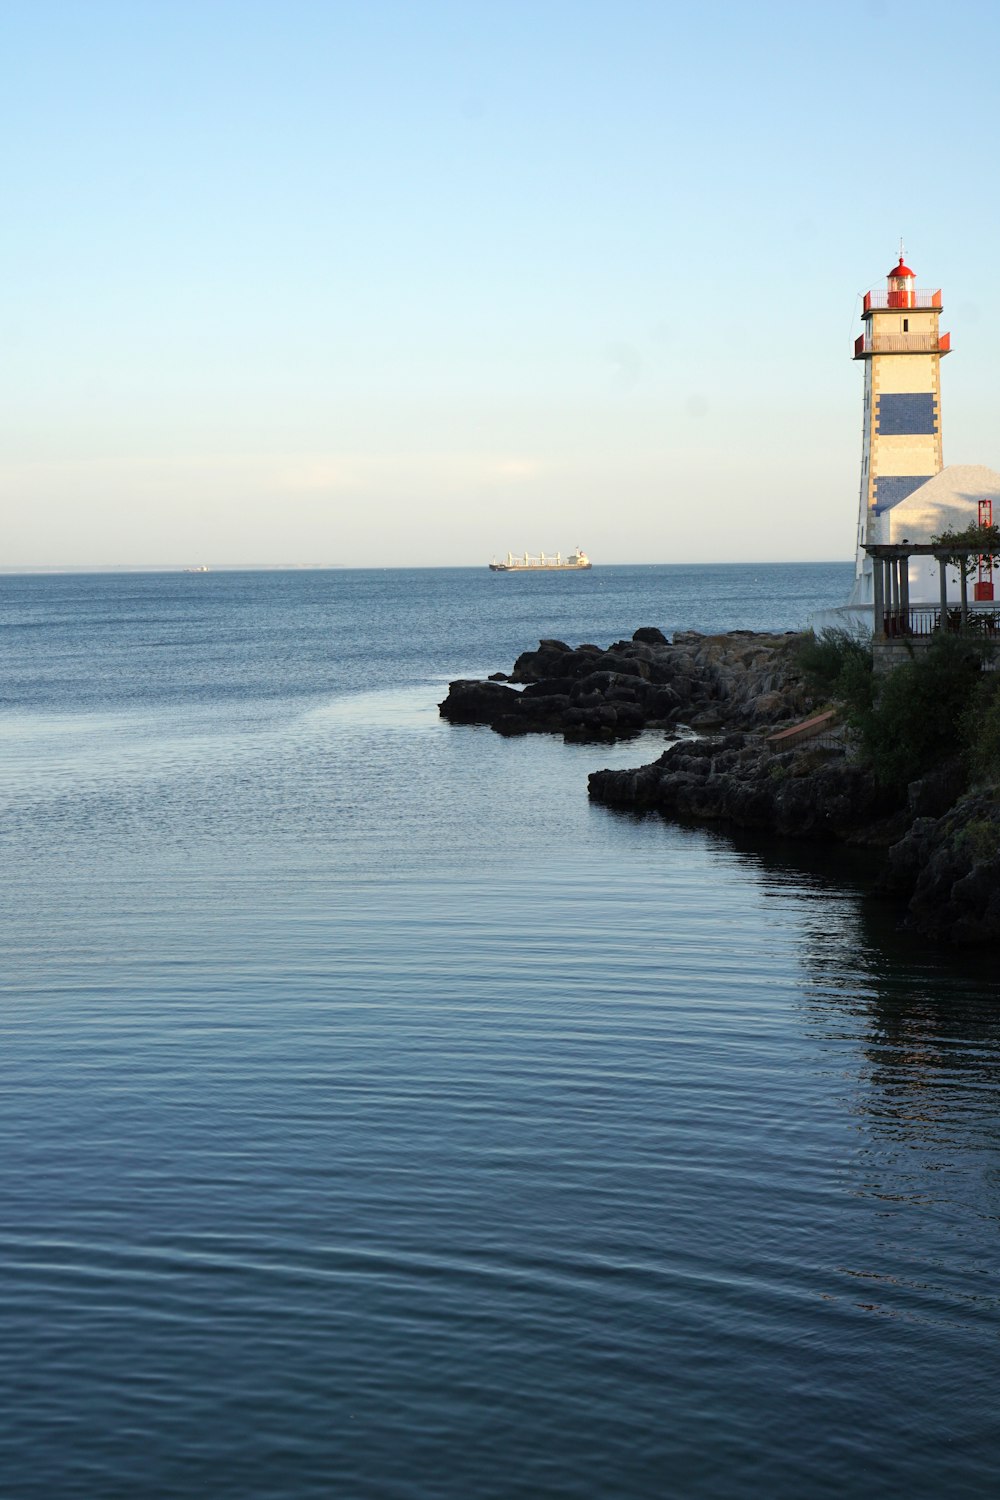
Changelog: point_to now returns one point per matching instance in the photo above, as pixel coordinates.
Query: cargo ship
(542, 562)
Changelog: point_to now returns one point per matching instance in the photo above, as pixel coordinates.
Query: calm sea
(380, 1119)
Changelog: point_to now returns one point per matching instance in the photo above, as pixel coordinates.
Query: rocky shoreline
(725, 697)
(704, 682)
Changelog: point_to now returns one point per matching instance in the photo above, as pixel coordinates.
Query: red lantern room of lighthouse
(902, 286)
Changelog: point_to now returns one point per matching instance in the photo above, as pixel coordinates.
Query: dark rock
(547, 687)
(510, 724)
(934, 793)
(627, 664)
(905, 859)
(712, 681)
(661, 701)
(602, 682)
(477, 702)
(635, 651)
(532, 666)
(592, 698)
(535, 666)
(949, 867)
(541, 715)
(734, 778)
(630, 717)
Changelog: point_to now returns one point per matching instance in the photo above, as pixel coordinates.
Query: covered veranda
(895, 617)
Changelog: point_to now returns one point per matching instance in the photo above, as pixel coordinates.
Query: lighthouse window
(906, 325)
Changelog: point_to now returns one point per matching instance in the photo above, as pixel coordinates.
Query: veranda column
(943, 570)
(878, 606)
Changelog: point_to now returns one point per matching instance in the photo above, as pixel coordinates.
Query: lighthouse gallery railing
(901, 300)
(902, 343)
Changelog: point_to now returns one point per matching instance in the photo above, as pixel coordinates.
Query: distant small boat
(542, 562)
(201, 568)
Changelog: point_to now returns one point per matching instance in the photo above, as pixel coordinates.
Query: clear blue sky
(385, 282)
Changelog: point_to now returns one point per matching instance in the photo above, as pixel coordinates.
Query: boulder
(470, 702)
(949, 869)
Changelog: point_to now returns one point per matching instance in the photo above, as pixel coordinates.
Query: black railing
(923, 620)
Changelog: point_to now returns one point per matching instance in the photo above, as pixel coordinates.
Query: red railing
(880, 300)
(901, 343)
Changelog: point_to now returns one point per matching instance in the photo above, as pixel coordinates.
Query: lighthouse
(907, 497)
(901, 349)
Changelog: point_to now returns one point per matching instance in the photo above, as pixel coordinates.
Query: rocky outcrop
(942, 856)
(589, 693)
(803, 793)
(948, 870)
(943, 847)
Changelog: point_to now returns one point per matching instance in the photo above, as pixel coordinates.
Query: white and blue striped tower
(901, 348)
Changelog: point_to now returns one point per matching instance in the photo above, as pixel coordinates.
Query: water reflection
(916, 1032)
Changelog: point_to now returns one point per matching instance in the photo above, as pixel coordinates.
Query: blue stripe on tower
(891, 488)
(905, 414)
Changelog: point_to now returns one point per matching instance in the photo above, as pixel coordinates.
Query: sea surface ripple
(381, 1119)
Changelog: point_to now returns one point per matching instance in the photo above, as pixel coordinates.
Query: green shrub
(938, 706)
(980, 838)
(915, 719)
(980, 729)
(838, 663)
